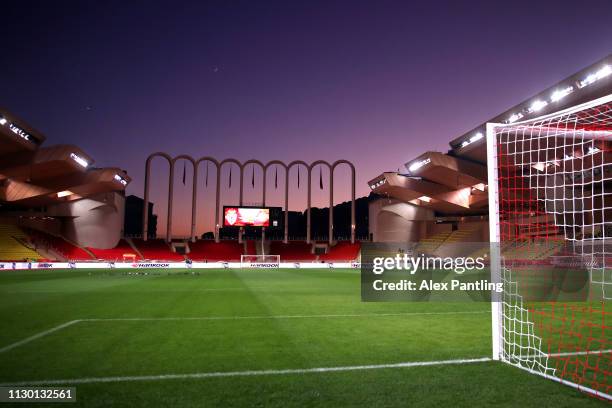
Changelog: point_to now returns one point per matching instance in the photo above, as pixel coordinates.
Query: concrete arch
(145, 212)
(263, 169)
(331, 201)
(216, 164)
(240, 173)
(218, 204)
(352, 168)
(289, 166)
(286, 208)
(193, 197)
(241, 166)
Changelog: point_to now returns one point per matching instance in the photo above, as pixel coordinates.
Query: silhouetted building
(133, 218)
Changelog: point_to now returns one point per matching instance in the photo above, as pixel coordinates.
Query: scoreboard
(240, 216)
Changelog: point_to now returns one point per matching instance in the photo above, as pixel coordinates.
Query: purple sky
(376, 83)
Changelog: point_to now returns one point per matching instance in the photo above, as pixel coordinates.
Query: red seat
(65, 248)
(215, 251)
(114, 254)
(292, 251)
(157, 249)
(342, 251)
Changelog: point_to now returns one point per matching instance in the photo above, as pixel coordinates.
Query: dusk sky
(375, 82)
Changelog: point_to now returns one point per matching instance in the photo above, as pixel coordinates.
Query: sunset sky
(375, 82)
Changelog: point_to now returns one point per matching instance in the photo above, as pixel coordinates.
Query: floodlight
(513, 118)
(561, 93)
(417, 165)
(79, 159)
(537, 105)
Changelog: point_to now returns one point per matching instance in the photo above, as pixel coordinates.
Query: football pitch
(251, 337)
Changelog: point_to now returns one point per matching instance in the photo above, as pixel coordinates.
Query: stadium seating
(68, 250)
(116, 253)
(215, 251)
(531, 250)
(12, 245)
(465, 234)
(342, 251)
(430, 244)
(251, 247)
(292, 251)
(157, 249)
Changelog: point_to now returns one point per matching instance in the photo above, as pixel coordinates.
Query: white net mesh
(554, 192)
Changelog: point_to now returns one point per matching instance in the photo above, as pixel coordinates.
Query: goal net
(550, 204)
(259, 261)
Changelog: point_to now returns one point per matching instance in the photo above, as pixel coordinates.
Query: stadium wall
(96, 221)
(396, 221)
(172, 265)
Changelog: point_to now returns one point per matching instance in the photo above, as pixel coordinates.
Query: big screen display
(246, 217)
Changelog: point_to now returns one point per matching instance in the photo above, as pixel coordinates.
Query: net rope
(554, 183)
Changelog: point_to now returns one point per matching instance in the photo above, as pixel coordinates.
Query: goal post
(260, 261)
(550, 212)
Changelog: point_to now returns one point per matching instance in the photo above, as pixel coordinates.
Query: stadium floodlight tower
(550, 199)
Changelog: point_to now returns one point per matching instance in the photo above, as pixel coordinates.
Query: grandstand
(14, 245)
(342, 251)
(293, 251)
(211, 251)
(440, 200)
(62, 208)
(57, 209)
(439, 194)
(156, 250)
(56, 195)
(59, 247)
(123, 251)
(535, 180)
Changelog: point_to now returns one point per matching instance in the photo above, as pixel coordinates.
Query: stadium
(278, 204)
(244, 313)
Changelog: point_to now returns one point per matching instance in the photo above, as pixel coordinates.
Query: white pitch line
(244, 373)
(580, 353)
(37, 336)
(320, 316)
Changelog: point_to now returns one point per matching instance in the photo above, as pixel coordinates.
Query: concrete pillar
(217, 204)
(353, 225)
(308, 215)
(170, 200)
(194, 199)
(331, 207)
(286, 227)
(145, 207)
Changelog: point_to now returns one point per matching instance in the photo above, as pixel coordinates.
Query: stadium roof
(33, 176)
(455, 182)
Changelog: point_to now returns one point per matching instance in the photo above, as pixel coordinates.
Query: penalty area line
(223, 318)
(249, 373)
(37, 336)
(256, 317)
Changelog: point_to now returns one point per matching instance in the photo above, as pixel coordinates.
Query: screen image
(246, 217)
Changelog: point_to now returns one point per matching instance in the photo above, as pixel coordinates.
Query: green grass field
(232, 321)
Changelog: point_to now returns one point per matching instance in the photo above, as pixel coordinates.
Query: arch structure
(218, 165)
